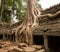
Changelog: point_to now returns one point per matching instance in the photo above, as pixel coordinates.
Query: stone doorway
(54, 43)
(38, 39)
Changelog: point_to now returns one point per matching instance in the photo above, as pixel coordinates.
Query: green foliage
(6, 15)
(8, 7)
(9, 2)
(21, 10)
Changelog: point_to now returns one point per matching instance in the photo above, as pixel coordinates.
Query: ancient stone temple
(47, 34)
(50, 28)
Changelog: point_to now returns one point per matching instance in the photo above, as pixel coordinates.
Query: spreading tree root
(30, 22)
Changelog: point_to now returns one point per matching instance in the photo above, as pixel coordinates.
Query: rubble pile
(22, 47)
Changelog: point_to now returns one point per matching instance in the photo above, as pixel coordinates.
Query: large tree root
(30, 22)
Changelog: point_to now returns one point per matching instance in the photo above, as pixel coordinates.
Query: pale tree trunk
(30, 22)
(1, 9)
(0, 3)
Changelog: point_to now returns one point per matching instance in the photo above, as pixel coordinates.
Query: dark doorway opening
(38, 40)
(7, 37)
(54, 43)
(1, 36)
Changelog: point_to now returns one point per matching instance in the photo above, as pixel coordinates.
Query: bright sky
(47, 3)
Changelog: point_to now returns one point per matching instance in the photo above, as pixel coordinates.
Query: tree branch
(50, 15)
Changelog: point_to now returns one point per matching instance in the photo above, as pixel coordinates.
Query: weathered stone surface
(21, 47)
